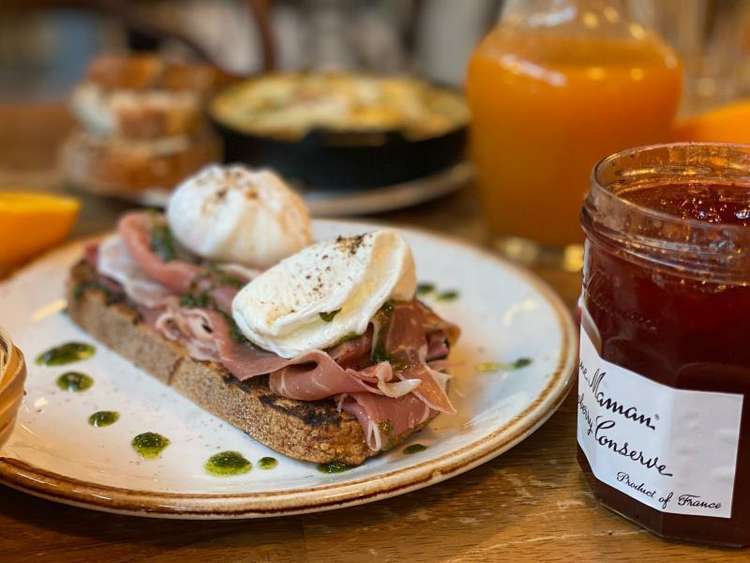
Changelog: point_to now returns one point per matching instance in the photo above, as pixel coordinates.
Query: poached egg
(325, 293)
(233, 214)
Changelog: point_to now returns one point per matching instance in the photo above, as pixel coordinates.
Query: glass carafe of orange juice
(556, 86)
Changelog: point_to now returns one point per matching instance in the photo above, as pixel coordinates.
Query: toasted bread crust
(309, 431)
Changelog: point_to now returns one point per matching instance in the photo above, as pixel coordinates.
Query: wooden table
(531, 503)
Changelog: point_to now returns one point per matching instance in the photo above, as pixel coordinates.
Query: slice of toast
(309, 431)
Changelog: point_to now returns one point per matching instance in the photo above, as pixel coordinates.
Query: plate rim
(328, 203)
(259, 504)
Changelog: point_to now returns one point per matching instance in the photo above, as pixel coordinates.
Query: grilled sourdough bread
(310, 431)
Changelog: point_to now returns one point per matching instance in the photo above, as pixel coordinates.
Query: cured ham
(175, 276)
(316, 376)
(385, 377)
(114, 261)
(432, 388)
(136, 231)
(406, 397)
(207, 336)
(352, 352)
(403, 337)
(384, 419)
(222, 296)
(311, 376)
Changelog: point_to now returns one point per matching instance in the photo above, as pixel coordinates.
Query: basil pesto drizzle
(383, 317)
(197, 300)
(235, 332)
(334, 467)
(414, 448)
(521, 363)
(447, 295)
(494, 367)
(328, 317)
(65, 354)
(203, 300)
(149, 445)
(267, 463)
(162, 243)
(101, 419)
(74, 381)
(227, 463)
(425, 287)
(224, 278)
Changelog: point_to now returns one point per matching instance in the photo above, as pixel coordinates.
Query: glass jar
(556, 86)
(664, 378)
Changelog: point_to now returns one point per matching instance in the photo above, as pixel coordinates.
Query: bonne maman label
(671, 449)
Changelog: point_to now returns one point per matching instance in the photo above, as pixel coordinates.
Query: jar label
(671, 449)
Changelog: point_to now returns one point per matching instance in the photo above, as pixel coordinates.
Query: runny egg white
(324, 293)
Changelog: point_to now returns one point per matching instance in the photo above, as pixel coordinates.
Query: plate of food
(231, 358)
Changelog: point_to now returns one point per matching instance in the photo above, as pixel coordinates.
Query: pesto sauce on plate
(101, 419)
(227, 463)
(75, 381)
(149, 445)
(333, 467)
(65, 354)
(414, 448)
(267, 463)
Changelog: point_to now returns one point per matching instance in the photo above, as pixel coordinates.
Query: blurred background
(554, 86)
(45, 45)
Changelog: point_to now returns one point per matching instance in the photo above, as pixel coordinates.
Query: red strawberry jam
(664, 382)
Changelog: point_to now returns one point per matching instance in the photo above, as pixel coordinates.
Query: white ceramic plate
(505, 314)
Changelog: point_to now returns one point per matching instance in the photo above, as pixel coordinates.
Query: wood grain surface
(531, 504)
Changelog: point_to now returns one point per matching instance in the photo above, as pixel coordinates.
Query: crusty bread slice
(309, 431)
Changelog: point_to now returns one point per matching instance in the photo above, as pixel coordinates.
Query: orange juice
(546, 107)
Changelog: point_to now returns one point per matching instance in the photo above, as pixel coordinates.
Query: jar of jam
(664, 376)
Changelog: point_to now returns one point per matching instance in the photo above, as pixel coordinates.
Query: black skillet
(330, 159)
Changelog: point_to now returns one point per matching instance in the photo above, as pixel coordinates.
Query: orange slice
(727, 124)
(31, 223)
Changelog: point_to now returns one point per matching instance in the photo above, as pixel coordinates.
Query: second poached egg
(325, 293)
